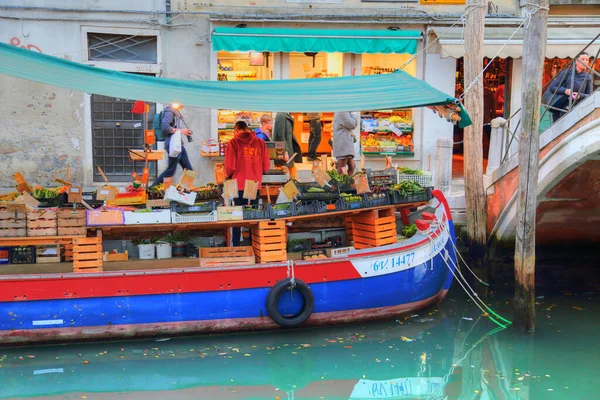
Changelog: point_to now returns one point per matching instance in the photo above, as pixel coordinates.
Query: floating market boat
(369, 284)
(365, 284)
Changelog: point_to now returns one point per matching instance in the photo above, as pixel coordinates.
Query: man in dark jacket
(171, 122)
(314, 140)
(283, 131)
(576, 85)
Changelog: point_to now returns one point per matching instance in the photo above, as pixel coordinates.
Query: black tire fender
(273, 300)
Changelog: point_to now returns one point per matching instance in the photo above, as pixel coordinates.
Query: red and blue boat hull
(371, 284)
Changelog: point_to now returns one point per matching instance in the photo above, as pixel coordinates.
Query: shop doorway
(496, 82)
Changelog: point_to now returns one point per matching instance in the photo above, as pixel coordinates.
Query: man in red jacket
(246, 158)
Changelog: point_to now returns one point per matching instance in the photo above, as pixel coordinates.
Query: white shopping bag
(175, 144)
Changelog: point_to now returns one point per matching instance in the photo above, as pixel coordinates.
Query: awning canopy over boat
(561, 42)
(352, 93)
(315, 40)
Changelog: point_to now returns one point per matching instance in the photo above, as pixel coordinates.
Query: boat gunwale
(364, 253)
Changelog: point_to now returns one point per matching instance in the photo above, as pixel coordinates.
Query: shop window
(122, 48)
(387, 132)
(238, 66)
(313, 66)
(115, 130)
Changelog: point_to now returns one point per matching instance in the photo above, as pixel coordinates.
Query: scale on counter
(276, 151)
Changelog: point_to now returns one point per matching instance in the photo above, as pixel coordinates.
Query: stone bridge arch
(568, 184)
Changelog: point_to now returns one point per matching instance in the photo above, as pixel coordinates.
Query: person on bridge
(568, 85)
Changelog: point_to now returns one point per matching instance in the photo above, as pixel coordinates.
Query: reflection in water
(450, 352)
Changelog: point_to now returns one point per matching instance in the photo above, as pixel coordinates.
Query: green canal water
(446, 352)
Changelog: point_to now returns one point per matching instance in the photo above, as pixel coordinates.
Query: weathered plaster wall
(42, 129)
(343, 7)
(183, 59)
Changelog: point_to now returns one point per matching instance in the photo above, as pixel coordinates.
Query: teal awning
(315, 40)
(351, 93)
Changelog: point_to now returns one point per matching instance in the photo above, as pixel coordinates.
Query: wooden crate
(87, 254)
(68, 254)
(223, 256)
(12, 224)
(42, 222)
(71, 222)
(113, 257)
(374, 228)
(348, 226)
(269, 241)
(41, 256)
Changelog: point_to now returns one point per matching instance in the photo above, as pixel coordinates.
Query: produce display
(405, 188)
(386, 143)
(388, 132)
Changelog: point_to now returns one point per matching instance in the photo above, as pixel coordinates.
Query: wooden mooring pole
(474, 190)
(534, 50)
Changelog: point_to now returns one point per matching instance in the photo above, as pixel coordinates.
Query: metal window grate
(122, 48)
(115, 130)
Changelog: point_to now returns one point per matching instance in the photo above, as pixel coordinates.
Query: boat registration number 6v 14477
(394, 262)
(402, 259)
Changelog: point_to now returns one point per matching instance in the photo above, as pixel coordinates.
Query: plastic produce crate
(310, 207)
(257, 211)
(57, 201)
(352, 203)
(282, 210)
(377, 199)
(330, 192)
(23, 255)
(204, 207)
(396, 198)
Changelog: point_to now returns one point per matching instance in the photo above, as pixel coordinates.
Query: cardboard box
(153, 217)
(231, 213)
(172, 194)
(339, 251)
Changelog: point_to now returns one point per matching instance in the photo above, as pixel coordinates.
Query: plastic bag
(175, 144)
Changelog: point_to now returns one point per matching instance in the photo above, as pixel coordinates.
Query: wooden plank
(278, 233)
(41, 214)
(89, 248)
(373, 228)
(268, 239)
(91, 240)
(41, 223)
(373, 235)
(69, 213)
(75, 222)
(87, 256)
(242, 251)
(15, 223)
(268, 247)
(72, 231)
(205, 262)
(280, 224)
(33, 241)
(375, 221)
(12, 215)
(361, 243)
(41, 232)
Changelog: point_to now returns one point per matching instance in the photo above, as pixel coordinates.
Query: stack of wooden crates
(372, 228)
(12, 223)
(269, 241)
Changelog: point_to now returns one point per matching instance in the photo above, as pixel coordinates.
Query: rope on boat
(486, 310)
(291, 273)
(444, 225)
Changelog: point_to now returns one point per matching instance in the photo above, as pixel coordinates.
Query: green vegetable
(405, 188)
(409, 171)
(409, 230)
(316, 190)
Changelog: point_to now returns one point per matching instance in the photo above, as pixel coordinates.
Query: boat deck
(67, 267)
